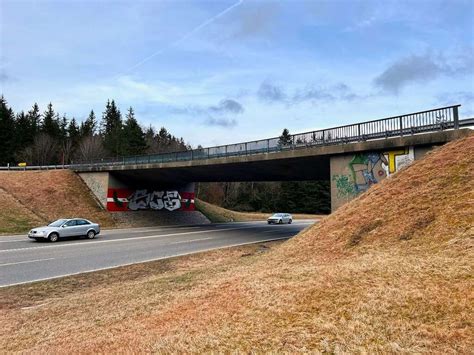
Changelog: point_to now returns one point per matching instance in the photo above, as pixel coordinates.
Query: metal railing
(396, 126)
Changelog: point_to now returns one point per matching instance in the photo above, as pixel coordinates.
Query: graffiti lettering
(155, 200)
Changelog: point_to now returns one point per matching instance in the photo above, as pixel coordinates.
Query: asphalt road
(23, 260)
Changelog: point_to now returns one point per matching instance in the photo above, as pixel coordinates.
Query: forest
(44, 138)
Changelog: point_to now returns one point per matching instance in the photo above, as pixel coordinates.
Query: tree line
(284, 196)
(44, 138)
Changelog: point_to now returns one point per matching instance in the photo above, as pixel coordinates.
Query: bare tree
(43, 151)
(91, 148)
(66, 150)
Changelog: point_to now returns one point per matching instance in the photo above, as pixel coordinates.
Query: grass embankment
(391, 271)
(218, 214)
(32, 198)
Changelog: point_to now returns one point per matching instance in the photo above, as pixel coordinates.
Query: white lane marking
(145, 261)
(113, 232)
(191, 240)
(15, 240)
(108, 232)
(25, 262)
(125, 239)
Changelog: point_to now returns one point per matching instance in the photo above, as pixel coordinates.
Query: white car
(280, 218)
(74, 227)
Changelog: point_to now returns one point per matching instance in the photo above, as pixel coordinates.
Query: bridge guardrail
(413, 123)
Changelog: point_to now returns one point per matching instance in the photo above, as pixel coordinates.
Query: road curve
(23, 260)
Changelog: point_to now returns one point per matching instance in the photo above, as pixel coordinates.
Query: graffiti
(366, 169)
(171, 200)
(344, 186)
(398, 159)
(155, 200)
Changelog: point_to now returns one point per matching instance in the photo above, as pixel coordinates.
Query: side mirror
(63, 226)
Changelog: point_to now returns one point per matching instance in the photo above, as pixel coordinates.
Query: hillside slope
(48, 195)
(391, 271)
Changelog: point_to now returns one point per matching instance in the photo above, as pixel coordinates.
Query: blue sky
(217, 72)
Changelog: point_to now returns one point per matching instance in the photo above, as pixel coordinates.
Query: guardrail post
(358, 131)
(324, 139)
(401, 126)
(268, 145)
(456, 117)
(246, 152)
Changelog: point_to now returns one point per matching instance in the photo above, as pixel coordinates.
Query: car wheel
(90, 235)
(280, 221)
(53, 237)
(289, 221)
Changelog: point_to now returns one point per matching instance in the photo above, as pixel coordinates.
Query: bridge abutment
(354, 173)
(117, 195)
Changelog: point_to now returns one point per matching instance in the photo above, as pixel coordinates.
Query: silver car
(74, 227)
(280, 218)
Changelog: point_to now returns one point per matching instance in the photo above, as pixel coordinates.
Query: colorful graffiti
(366, 169)
(171, 200)
(344, 186)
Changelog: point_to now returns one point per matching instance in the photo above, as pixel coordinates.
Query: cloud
(4, 77)
(269, 92)
(313, 93)
(406, 70)
(335, 92)
(362, 24)
(420, 69)
(221, 122)
(227, 106)
(216, 115)
(255, 20)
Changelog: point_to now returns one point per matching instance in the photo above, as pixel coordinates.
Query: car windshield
(57, 223)
(279, 215)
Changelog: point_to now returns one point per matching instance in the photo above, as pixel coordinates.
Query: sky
(219, 72)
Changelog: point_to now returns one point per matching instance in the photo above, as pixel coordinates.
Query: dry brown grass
(218, 214)
(13, 214)
(49, 195)
(389, 272)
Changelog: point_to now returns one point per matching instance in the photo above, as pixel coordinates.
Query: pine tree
(285, 139)
(89, 126)
(34, 116)
(112, 129)
(7, 133)
(24, 135)
(73, 132)
(50, 124)
(134, 137)
(63, 124)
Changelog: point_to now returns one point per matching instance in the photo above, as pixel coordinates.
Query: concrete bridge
(352, 157)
